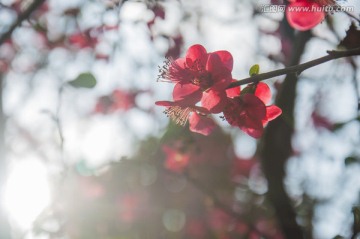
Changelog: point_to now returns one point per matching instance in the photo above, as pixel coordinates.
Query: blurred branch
(355, 81)
(23, 16)
(297, 69)
(356, 225)
(57, 120)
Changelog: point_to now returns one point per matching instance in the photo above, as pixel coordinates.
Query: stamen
(178, 114)
(172, 72)
(197, 66)
(204, 81)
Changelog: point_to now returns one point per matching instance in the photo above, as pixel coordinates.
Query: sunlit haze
(26, 192)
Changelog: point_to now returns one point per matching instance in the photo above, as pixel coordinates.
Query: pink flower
(182, 111)
(175, 161)
(248, 110)
(306, 14)
(200, 76)
(83, 40)
(117, 100)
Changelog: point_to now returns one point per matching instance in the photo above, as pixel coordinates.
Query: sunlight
(26, 192)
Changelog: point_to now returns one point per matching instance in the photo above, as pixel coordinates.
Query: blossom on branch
(201, 81)
(306, 14)
(248, 111)
(201, 76)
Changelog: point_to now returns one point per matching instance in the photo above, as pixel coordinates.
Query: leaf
(84, 80)
(338, 237)
(350, 160)
(338, 126)
(254, 70)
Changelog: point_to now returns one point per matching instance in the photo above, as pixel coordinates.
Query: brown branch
(297, 69)
(23, 16)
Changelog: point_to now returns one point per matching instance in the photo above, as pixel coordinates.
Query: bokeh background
(93, 162)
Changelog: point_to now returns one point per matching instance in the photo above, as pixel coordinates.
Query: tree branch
(297, 69)
(23, 16)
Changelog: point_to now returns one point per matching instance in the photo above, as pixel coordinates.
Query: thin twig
(297, 69)
(23, 16)
(59, 127)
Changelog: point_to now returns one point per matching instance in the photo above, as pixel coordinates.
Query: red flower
(182, 111)
(248, 111)
(306, 14)
(175, 160)
(242, 167)
(200, 76)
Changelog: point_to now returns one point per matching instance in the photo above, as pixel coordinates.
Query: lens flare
(26, 193)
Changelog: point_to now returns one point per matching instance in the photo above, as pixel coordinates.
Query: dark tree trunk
(275, 147)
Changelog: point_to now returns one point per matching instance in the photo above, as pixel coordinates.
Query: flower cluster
(201, 80)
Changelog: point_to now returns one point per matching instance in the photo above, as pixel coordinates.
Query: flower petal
(196, 53)
(263, 92)
(233, 92)
(272, 112)
(181, 62)
(201, 124)
(217, 69)
(304, 20)
(164, 103)
(187, 92)
(214, 101)
(254, 107)
(226, 58)
(254, 128)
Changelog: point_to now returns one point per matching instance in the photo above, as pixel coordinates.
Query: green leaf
(254, 70)
(338, 126)
(350, 160)
(338, 237)
(84, 80)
